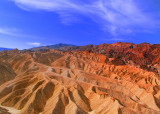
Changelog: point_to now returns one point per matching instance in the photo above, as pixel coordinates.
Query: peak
(104, 44)
(118, 42)
(122, 43)
(145, 43)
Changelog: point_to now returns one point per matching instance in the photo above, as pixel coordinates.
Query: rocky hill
(120, 78)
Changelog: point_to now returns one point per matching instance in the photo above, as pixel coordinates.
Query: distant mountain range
(143, 54)
(1, 49)
(56, 46)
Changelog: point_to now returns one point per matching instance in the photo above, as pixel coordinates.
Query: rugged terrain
(120, 78)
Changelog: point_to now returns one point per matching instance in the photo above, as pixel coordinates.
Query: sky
(32, 23)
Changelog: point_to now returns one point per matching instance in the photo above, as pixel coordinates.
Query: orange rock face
(55, 82)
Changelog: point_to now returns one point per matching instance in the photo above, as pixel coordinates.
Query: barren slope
(79, 82)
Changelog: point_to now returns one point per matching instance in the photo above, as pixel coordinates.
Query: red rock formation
(82, 81)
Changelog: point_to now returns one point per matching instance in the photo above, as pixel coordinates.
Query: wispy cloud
(33, 43)
(9, 31)
(15, 32)
(117, 39)
(115, 16)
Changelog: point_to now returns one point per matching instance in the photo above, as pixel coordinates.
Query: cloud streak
(8, 31)
(115, 16)
(33, 43)
(15, 32)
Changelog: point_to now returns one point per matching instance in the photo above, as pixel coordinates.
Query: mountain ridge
(108, 78)
(55, 46)
(143, 55)
(2, 49)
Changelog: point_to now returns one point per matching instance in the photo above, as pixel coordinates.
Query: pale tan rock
(79, 82)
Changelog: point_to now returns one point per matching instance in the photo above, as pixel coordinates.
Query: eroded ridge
(56, 82)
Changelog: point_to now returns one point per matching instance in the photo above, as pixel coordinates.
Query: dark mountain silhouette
(1, 49)
(56, 46)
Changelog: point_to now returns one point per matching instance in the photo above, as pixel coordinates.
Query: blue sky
(32, 23)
